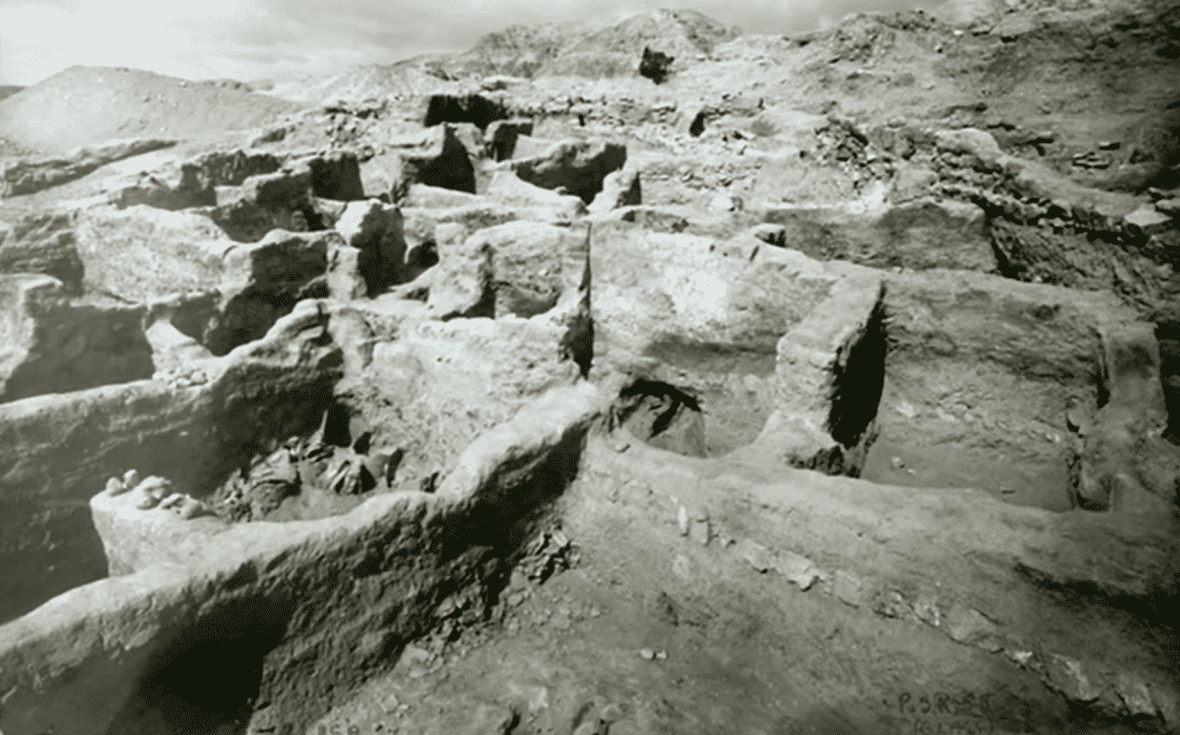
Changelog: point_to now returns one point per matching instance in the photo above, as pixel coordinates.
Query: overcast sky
(284, 39)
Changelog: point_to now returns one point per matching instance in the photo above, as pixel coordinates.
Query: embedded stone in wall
(43, 243)
(52, 344)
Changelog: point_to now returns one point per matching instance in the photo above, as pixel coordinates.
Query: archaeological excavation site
(648, 377)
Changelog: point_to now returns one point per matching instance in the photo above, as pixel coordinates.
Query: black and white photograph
(637, 367)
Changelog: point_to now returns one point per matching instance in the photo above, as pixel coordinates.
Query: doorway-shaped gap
(859, 383)
(1167, 333)
(451, 170)
(472, 108)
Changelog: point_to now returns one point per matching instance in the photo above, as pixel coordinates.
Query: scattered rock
(756, 554)
(1147, 221)
(376, 231)
(971, 627)
(970, 141)
(772, 234)
(611, 713)
(590, 728)
(847, 588)
(1092, 160)
(797, 569)
(263, 281)
(440, 160)
(619, 189)
(491, 720)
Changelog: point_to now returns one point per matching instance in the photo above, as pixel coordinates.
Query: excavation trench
(297, 618)
(239, 406)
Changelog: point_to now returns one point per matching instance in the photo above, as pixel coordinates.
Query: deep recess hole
(336, 425)
(859, 385)
(451, 170)
(1168, 336)
(663, 416)
(423, 256)
(207, 681)
(698, 125)
(475, 109)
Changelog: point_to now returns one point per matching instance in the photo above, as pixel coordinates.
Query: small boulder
(655, 65)
(533, 202)
(529, 261)
(977, 143)
(1147, 221)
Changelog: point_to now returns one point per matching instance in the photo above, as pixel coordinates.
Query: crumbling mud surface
(646, 378)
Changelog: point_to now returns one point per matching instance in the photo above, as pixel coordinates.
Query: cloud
(249, 39)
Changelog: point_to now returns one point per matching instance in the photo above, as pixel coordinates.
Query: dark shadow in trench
(207, 680)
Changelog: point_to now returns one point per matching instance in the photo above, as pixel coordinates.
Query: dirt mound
(683, 34)
(421, 76)
(85, 105)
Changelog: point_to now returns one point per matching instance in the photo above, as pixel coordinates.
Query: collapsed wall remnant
(577, 167)
(194, 425)
(27, 177)
(444, 162)
(472, 108)
(502, 136)
(50, 343)
(230, 593)
(45, 244)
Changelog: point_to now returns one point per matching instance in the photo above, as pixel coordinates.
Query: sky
(286, 39)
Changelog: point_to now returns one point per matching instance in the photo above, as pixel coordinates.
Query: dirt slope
(86, 105)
